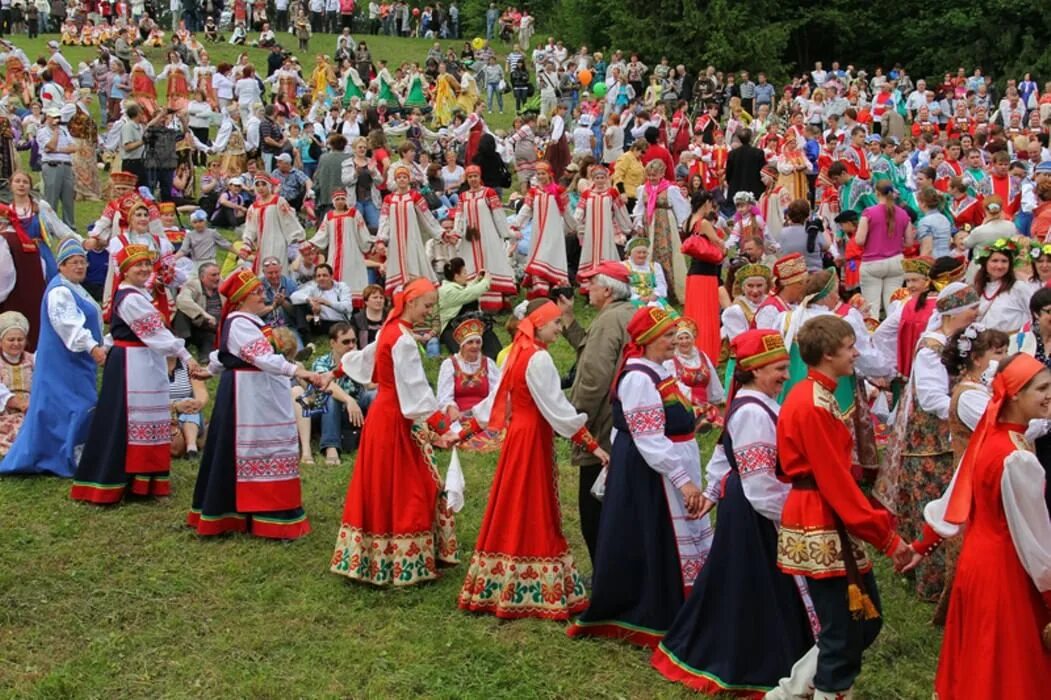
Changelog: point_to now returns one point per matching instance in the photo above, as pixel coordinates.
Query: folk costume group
(787, 569)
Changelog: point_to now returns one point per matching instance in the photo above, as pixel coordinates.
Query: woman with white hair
(16, 376)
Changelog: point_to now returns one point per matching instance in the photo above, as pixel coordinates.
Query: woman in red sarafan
(522, 566)
(397, 527)
(999, 608)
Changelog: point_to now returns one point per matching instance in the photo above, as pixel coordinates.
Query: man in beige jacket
(598, 354)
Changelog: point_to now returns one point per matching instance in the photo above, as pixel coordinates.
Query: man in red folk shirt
(826, 517)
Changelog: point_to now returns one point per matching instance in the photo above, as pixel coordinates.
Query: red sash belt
(681, 438)
(128, 343)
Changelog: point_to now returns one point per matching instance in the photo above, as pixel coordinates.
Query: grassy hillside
(126, 602)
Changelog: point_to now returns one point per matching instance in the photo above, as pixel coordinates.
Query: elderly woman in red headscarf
(652, 538)
(1000, 608)
(249, 475)
(128, 446)
(522, 566)
(397, 527)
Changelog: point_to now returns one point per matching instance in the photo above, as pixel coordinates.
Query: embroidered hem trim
(615, 629)
(387, 560)
(211, 525)
(511, 587)
(675, 670)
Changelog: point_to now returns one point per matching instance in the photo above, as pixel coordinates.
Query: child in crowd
(201, 242)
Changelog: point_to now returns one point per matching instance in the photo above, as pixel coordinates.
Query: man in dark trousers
(598, 354)
(743, 166)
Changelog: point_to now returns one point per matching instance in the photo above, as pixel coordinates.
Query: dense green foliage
(1005, 37)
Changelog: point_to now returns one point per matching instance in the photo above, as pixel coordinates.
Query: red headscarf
(525, 340)
(1006, 384)
(234, 289)
(648, 324)
(416, 288)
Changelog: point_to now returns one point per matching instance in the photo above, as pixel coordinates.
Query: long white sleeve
(970, 406)
(718, 468)
(660, 285)
(7, 271)
(304, 292)
(146, 323)
(68, 320)
(246, 341)
(415, 397)
(558, 128)
(447, 385)
(223, 137)
(885, 339)
(870, 362)
(56, 228)
(734, 321)
(755, 451)
(716, 392)
(644, 414)
(931, 383)
(679, 206)
(543, 381)
(767, 317)
(1022, 490)
(359, 364)
(5, 396)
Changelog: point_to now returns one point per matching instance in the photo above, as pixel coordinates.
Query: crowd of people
(847, 279)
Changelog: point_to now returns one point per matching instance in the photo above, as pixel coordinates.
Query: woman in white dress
(482, 224)
(404, 218)
(602, 222)
(547, 207)
(345, 238)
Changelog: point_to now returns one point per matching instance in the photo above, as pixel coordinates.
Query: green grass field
(126, 602)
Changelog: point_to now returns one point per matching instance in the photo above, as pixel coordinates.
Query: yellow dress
(320, 79)
(469, 95)
(445, 90)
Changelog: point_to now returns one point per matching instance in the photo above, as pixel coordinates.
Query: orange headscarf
(416, 288)
(525, 340)
(1006, 384)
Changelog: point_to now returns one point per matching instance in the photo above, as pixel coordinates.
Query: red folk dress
(992, 646)
(396, 527)
(522, 566)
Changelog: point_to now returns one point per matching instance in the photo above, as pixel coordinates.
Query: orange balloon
(584, 75)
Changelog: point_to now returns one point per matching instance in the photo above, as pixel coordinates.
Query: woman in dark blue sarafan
(652, 539)
(745, 623)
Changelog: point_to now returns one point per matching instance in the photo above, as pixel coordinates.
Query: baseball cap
(199, 215)
(284, 158)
